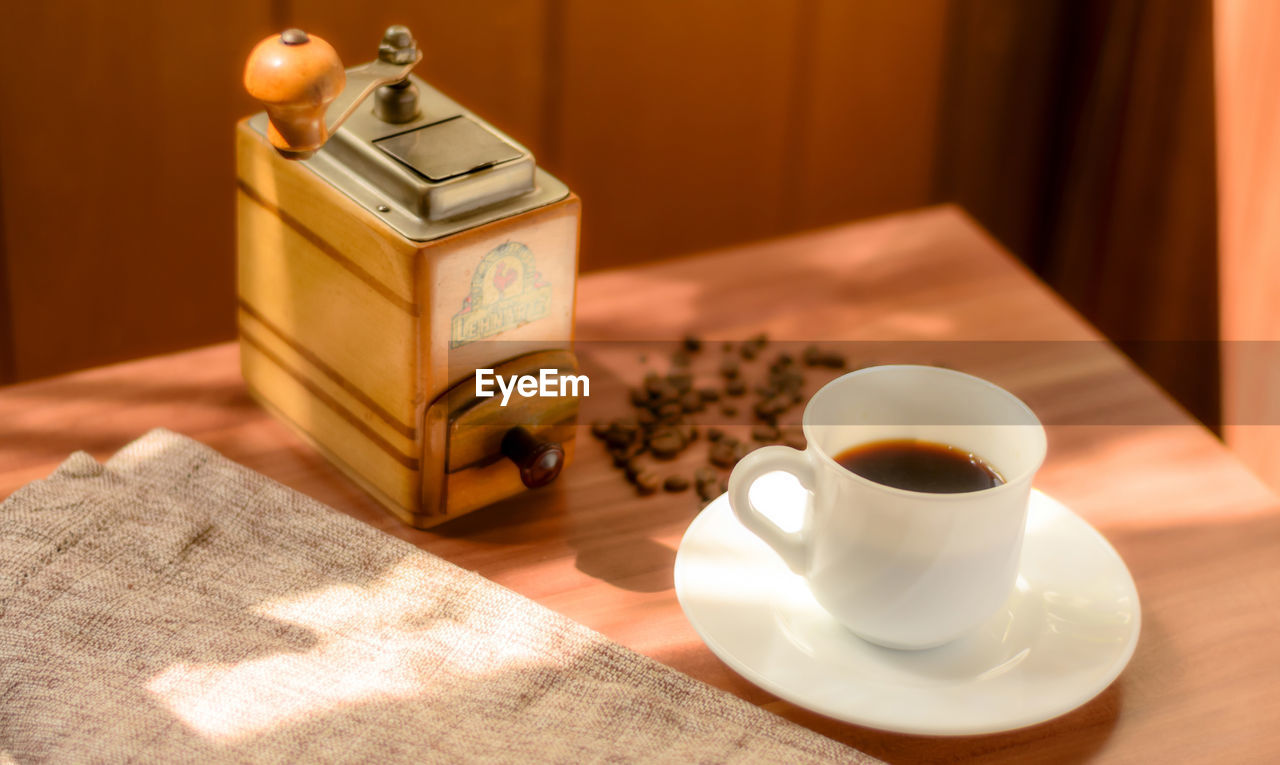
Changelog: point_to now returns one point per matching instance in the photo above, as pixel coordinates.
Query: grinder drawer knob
(539, 461)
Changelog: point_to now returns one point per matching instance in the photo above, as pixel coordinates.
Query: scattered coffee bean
(618, 438)
(816, 357)
(662, 424)
(768, 409)
(706, 481)
(675, 483)
(632, 469)
(666, 444)
(832, 361)
(765, 434)
(724, 453)
(687, 432)
(670, 411)
(647, 483)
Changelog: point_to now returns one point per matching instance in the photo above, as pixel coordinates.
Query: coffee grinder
(390, 243)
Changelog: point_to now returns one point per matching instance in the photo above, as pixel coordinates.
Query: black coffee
(920, 466)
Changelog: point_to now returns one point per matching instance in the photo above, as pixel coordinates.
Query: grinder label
(507, 291)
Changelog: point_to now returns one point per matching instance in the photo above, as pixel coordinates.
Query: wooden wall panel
(118, 179)
(1247, 64)
(671, 122)
(865, 105)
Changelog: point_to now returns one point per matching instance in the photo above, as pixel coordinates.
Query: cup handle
(791, 546)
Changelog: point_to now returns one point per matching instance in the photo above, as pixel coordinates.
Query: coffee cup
(903, 568)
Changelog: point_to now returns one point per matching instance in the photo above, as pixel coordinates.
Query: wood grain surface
(1198, 530)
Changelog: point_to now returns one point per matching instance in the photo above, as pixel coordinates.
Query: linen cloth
(172, 605)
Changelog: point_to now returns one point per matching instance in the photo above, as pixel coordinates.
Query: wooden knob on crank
(296, 76)
(539, 461)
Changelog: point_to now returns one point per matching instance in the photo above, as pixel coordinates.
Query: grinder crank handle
(300, 80)
(539, 461)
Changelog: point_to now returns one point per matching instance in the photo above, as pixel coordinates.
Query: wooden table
(1199, 532)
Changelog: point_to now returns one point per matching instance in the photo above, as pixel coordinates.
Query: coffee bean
(832, 361)
(748, 352)
(692, 402)
(618, 438)
(729, 369)
(787, 380)
(682, 382)
(646, 418)
(707, 489)
(714, 434)
(675, 483)
(632, 469)
(768, 409)
(647, 483)
(736, 388)
(692, 344)
(760, 340)
(709, 394)
(599, 429)
(687, 432)
(666, 444)
(661, 392)
(729, 410)
(723, 453)
(795, 442)
(765, 434)
(670, 411)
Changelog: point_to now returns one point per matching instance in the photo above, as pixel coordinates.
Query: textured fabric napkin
(175, 606)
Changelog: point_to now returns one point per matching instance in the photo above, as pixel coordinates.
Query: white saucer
(1069, 628)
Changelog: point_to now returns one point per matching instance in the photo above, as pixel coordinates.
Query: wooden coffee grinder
(390, 244)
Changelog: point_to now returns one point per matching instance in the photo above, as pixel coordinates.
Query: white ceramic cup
(903, 569)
